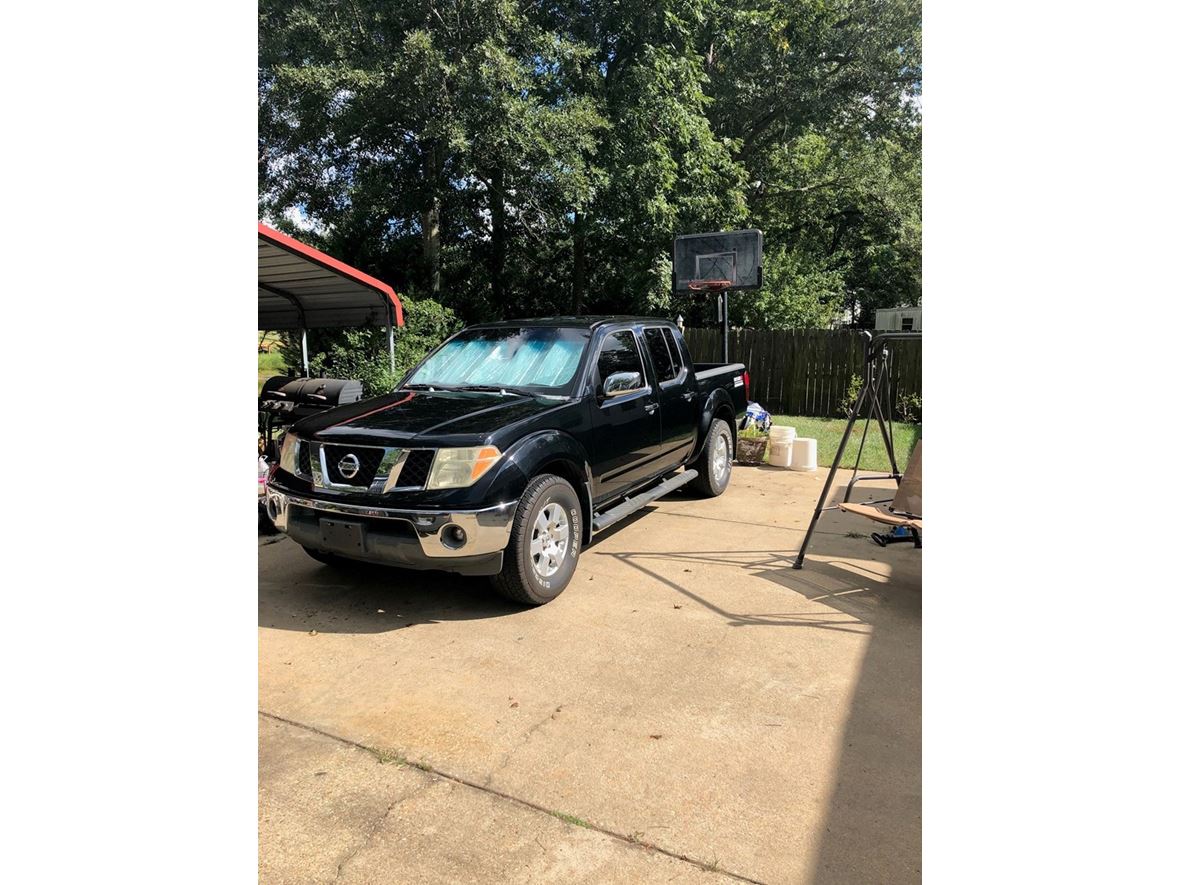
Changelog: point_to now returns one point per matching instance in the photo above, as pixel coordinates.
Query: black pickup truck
(507, 447)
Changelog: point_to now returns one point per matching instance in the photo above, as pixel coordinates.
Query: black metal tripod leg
(856, 467)
(886, 435)
(823, 496)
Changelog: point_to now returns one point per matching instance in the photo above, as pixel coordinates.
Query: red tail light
(746, 381)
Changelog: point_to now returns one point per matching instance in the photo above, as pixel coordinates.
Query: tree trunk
(431, 217)
(499, 234)
(579, 262)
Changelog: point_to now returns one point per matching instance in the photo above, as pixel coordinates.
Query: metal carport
(300, 288)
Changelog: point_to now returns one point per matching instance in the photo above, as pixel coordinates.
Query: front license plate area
(347, 537)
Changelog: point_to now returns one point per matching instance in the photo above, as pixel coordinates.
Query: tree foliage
(510, 158)
(363, 354)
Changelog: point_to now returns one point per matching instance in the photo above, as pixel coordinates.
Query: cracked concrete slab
(330, 812)
(319, 801)
(689, 685)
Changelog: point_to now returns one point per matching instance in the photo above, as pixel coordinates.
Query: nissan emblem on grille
(349, 466)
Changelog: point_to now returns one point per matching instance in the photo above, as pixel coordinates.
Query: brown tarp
(906, 507)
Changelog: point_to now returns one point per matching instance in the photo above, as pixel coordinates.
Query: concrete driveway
(690, 709)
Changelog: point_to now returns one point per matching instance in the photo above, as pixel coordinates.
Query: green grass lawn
(270, 364)
(827, 432)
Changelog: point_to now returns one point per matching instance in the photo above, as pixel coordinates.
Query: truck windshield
(539, 357)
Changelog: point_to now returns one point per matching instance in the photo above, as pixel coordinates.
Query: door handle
(690, 396)
(651, 407)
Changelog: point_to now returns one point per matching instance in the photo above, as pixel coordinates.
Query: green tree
(522, 158)
(438, 144)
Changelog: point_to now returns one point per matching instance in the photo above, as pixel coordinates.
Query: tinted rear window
(661, 356)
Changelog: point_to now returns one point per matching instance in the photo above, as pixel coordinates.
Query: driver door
(625, 419)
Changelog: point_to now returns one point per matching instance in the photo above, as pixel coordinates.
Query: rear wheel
(715, 462)
(546, 539)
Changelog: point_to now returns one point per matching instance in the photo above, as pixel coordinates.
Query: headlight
(458, 468)
(288, 452)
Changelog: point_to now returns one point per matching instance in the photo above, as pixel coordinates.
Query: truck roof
(571, 322)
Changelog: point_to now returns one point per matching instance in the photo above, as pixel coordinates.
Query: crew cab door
(676, 391)
(624, 416)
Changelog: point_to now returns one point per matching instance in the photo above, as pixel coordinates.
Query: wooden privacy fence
(806, 371)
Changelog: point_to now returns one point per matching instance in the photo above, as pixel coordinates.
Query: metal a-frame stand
(877, 395)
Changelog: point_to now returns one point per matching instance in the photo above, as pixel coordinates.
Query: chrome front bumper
(486, 531)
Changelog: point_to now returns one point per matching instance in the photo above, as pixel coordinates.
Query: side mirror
(620, 383)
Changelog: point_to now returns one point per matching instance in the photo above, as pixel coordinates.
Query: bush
(855, 383)
(363, 354)
(910, 407)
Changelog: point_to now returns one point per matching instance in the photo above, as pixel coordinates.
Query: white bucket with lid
(803, 454)
(781, 439)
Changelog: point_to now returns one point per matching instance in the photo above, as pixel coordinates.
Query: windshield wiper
(495, 388)
(482, 388)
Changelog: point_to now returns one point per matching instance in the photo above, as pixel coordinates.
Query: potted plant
(751, 445)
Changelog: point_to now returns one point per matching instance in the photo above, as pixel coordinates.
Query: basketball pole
(725, 325)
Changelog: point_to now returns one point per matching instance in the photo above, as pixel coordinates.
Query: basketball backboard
(712, 258)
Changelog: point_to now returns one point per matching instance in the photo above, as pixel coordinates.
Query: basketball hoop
(721, 262)
(708, 285)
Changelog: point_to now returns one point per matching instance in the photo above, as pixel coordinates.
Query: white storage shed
(899, 319)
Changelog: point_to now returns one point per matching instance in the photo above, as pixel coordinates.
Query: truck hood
(406, 414)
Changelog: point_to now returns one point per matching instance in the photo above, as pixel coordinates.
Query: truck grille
(416, 469)
(320, 462)
(369, 458)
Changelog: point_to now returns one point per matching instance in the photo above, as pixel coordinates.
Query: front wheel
(715, 463)
(546, 539)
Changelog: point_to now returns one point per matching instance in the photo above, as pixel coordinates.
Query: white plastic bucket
(803, 454)
(781, 439)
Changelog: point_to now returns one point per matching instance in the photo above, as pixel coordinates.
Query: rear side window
(661, 356)
(677, 362)
(620, 353)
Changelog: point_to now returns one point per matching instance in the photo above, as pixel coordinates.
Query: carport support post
(392, 356)
(306, 367)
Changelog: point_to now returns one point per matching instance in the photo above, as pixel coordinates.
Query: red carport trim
(293, 245)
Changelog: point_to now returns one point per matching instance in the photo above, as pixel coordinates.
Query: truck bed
(710, 370)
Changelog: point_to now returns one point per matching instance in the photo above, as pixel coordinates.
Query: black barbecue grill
(283, 401)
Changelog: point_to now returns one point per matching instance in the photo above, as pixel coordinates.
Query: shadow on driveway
(872, 826)
(361, 598)
(298, 593)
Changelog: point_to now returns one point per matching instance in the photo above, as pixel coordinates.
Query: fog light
(454, 537)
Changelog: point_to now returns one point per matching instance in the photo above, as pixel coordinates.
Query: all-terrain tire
(714, 466)
(548, 503)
